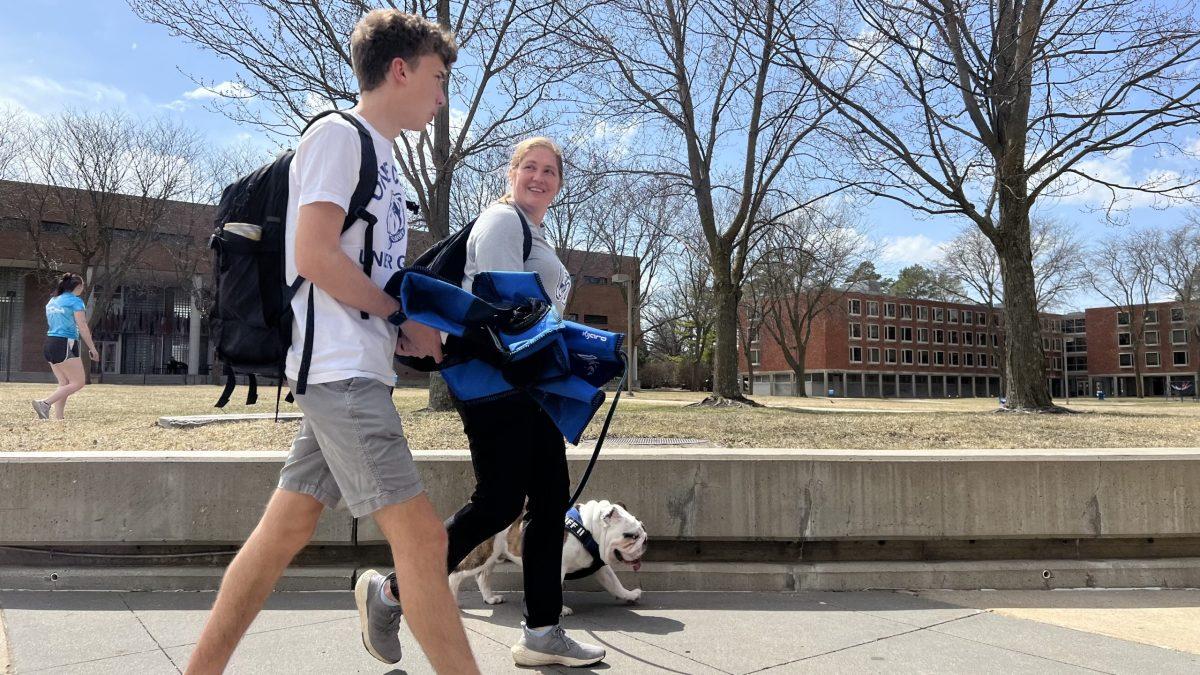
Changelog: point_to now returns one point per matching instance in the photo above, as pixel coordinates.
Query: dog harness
(507, 337)
(574, 525)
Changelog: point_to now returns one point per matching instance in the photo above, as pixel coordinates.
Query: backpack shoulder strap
(368, 177)
(526, 235)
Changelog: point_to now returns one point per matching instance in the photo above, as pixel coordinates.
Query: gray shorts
(351, 447)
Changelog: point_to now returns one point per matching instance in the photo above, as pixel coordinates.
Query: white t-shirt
(325, 169)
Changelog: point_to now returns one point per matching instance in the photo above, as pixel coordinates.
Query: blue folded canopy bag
(507, 338)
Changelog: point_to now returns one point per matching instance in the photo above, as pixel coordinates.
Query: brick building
(873, 344)
(153, 332)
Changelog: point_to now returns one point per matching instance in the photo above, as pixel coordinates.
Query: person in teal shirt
(67, 323)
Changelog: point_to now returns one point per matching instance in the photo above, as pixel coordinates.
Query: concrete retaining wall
(782, 495)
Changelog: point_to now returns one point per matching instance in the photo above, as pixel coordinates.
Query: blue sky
(98, 55)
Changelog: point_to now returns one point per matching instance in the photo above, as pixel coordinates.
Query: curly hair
(383, 35)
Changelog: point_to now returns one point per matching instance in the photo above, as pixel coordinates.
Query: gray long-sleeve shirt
(495, 245)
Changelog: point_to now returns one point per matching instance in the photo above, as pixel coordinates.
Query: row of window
(1154, 359)
(1151, 316)
(1150, 338)
(591, 319)
(940, 314)
(905, 334)
(921, 357)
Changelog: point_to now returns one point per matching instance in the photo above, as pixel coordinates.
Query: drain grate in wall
(640, 441)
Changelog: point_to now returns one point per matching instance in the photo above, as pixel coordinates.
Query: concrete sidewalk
(149, 633)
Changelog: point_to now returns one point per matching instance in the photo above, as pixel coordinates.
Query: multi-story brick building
(872, 344)
(152, 330)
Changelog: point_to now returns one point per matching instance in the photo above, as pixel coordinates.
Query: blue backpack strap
(574, 524)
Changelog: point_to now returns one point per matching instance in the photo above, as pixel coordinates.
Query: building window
(1045, 344)
(1179, 358)
(922, 358)
(754, 357)
(889, 355)
(1152, 338)
(922, 335)
(1122, 318)
(889, 333)
(922, 313)
(969, 359)
(995, 339)
(968, 338)
(856, 331)
(872, 308)
(872, 331)
(939, 314)
(1151, 316)
(981, 318)
(596, 319)
(939, 336)
(1176, 314)
(856, 355)
(1123, 340)
(595, 281)
(905, 334)
(1152, 359)
(855, 307)
(906, 357)
(873, 354)
(939, 358)
(905, 311)
(953, 318)
(953, 359)
(981, 359)
(1126, 360)
(953, 337)
(1056, 364)
(572, 317)
(889, 310)
(1179, 336)
(981, 339)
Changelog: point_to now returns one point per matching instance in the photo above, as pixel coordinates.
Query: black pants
(517, 452)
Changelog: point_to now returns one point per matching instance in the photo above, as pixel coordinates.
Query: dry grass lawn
(123, 417)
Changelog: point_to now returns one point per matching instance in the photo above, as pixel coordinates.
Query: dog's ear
(609, 514)
(622, 505)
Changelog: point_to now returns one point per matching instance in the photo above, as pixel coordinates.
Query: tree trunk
(1024, 362)
(798, 371)
(439, 394)
(725, 366)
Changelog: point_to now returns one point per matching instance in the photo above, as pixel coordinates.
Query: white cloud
(1117, 168)
(223, 90)
(178, 105)
(901, 252)
(42, 95)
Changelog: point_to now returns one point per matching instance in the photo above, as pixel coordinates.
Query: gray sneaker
(379, 622)
(42, 409)
(554, 648)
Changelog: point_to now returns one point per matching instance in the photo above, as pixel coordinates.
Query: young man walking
(351, 445)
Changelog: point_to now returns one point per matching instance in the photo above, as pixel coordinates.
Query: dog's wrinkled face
(623, 539)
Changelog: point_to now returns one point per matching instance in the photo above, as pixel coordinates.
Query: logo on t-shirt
(389, 184)
(564, 287)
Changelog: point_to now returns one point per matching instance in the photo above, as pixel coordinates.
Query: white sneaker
(554, 648)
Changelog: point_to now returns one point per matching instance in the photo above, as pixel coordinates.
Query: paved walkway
(884, 632)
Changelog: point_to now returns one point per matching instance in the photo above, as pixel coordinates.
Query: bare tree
(806, 258)
(100, 194)
(14, 140)
(1122, 271)
(979, 108)
(716, 115)
(293, 59)
(1176, 259)
(682, 318)
(1059, 261)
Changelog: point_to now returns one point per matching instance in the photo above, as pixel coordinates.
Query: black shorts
(59, 349)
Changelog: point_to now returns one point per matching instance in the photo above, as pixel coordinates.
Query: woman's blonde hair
(523, 149)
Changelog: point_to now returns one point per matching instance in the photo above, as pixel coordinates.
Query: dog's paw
(567, 611)
(494, 600)
(633, 596)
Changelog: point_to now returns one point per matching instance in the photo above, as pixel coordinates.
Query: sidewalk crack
(151, 635)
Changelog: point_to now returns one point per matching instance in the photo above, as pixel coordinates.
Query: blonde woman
(516, 450)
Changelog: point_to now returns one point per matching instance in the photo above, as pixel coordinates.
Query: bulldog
(621, 538)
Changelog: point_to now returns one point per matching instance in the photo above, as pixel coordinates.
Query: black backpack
(251, 316)
(448, 258)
